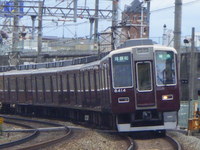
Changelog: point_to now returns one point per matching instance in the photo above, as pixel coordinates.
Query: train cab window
(144, 76)
(122, 70)
(165, 68)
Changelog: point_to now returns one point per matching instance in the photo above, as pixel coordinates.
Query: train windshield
(122, 70)
(165, 68)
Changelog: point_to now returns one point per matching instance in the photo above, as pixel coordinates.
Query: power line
(170, 7)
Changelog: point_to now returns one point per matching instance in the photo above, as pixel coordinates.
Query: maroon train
(131, 89)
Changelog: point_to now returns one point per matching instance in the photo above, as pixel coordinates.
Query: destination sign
(121, 58)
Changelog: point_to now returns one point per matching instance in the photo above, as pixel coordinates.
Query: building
(135, 21)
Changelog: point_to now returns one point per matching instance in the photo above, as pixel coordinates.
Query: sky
(161, 16)
(162, 12)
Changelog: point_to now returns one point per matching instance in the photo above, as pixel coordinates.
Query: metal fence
(185, 112)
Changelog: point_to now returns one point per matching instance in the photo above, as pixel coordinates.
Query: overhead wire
(170, 7)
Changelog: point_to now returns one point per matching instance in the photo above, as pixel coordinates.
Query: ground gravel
(92, 140)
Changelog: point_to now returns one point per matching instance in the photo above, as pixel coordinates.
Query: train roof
(41, 70)
(91, 65)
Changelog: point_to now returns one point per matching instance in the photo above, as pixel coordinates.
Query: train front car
(145, 92)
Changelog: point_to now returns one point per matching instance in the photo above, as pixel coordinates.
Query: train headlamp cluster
(167, 97)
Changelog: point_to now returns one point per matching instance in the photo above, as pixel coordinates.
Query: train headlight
(167, 97)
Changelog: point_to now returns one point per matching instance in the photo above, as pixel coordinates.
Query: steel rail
(49, 142)
(22, 140)
(39, 145)
(174, 142)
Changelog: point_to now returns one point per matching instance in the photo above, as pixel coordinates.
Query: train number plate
(120, 90)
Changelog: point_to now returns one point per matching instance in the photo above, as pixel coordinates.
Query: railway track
(36, 131)
(154, 142)
(40, 134)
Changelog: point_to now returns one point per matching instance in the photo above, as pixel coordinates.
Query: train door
(145, 96)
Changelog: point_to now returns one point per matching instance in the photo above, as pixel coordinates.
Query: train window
(58, 83)
(78, 82)
(7, 84)
(39, 83)
(122, 70)
(92, 82)
(165, 68)
(47, 83)
(13, 85)
(75, 83)
(97, 80)
(21, 83)
(71, 82)
(82, 82)
(1, 83)
(144, 76)
(43, 84)
(64, 82)
(86, 81)
(55, 88)
(33, 80)
(103, 78)
(28, 83)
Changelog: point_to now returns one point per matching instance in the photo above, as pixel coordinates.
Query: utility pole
(96, 21)
(114, 39)
(91, 27)
(41, 4)
(33, 17)
(177, 33)
(192, 66)
(192, 73)
(177, 25)
(148, 17)
(142, 22)
(15, 37)
(75, 10)
(13, 57)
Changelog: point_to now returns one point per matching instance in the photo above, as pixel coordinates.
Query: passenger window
(39, 84)
(91, 77)
(71, 82)
(47, 83)
(97, 80)
(64, 82)
(58, 83)
(86, 82)
(28, 83)
(1, 83)
(13, 85)
(34, 83)
(54, 83)
(21, 84)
